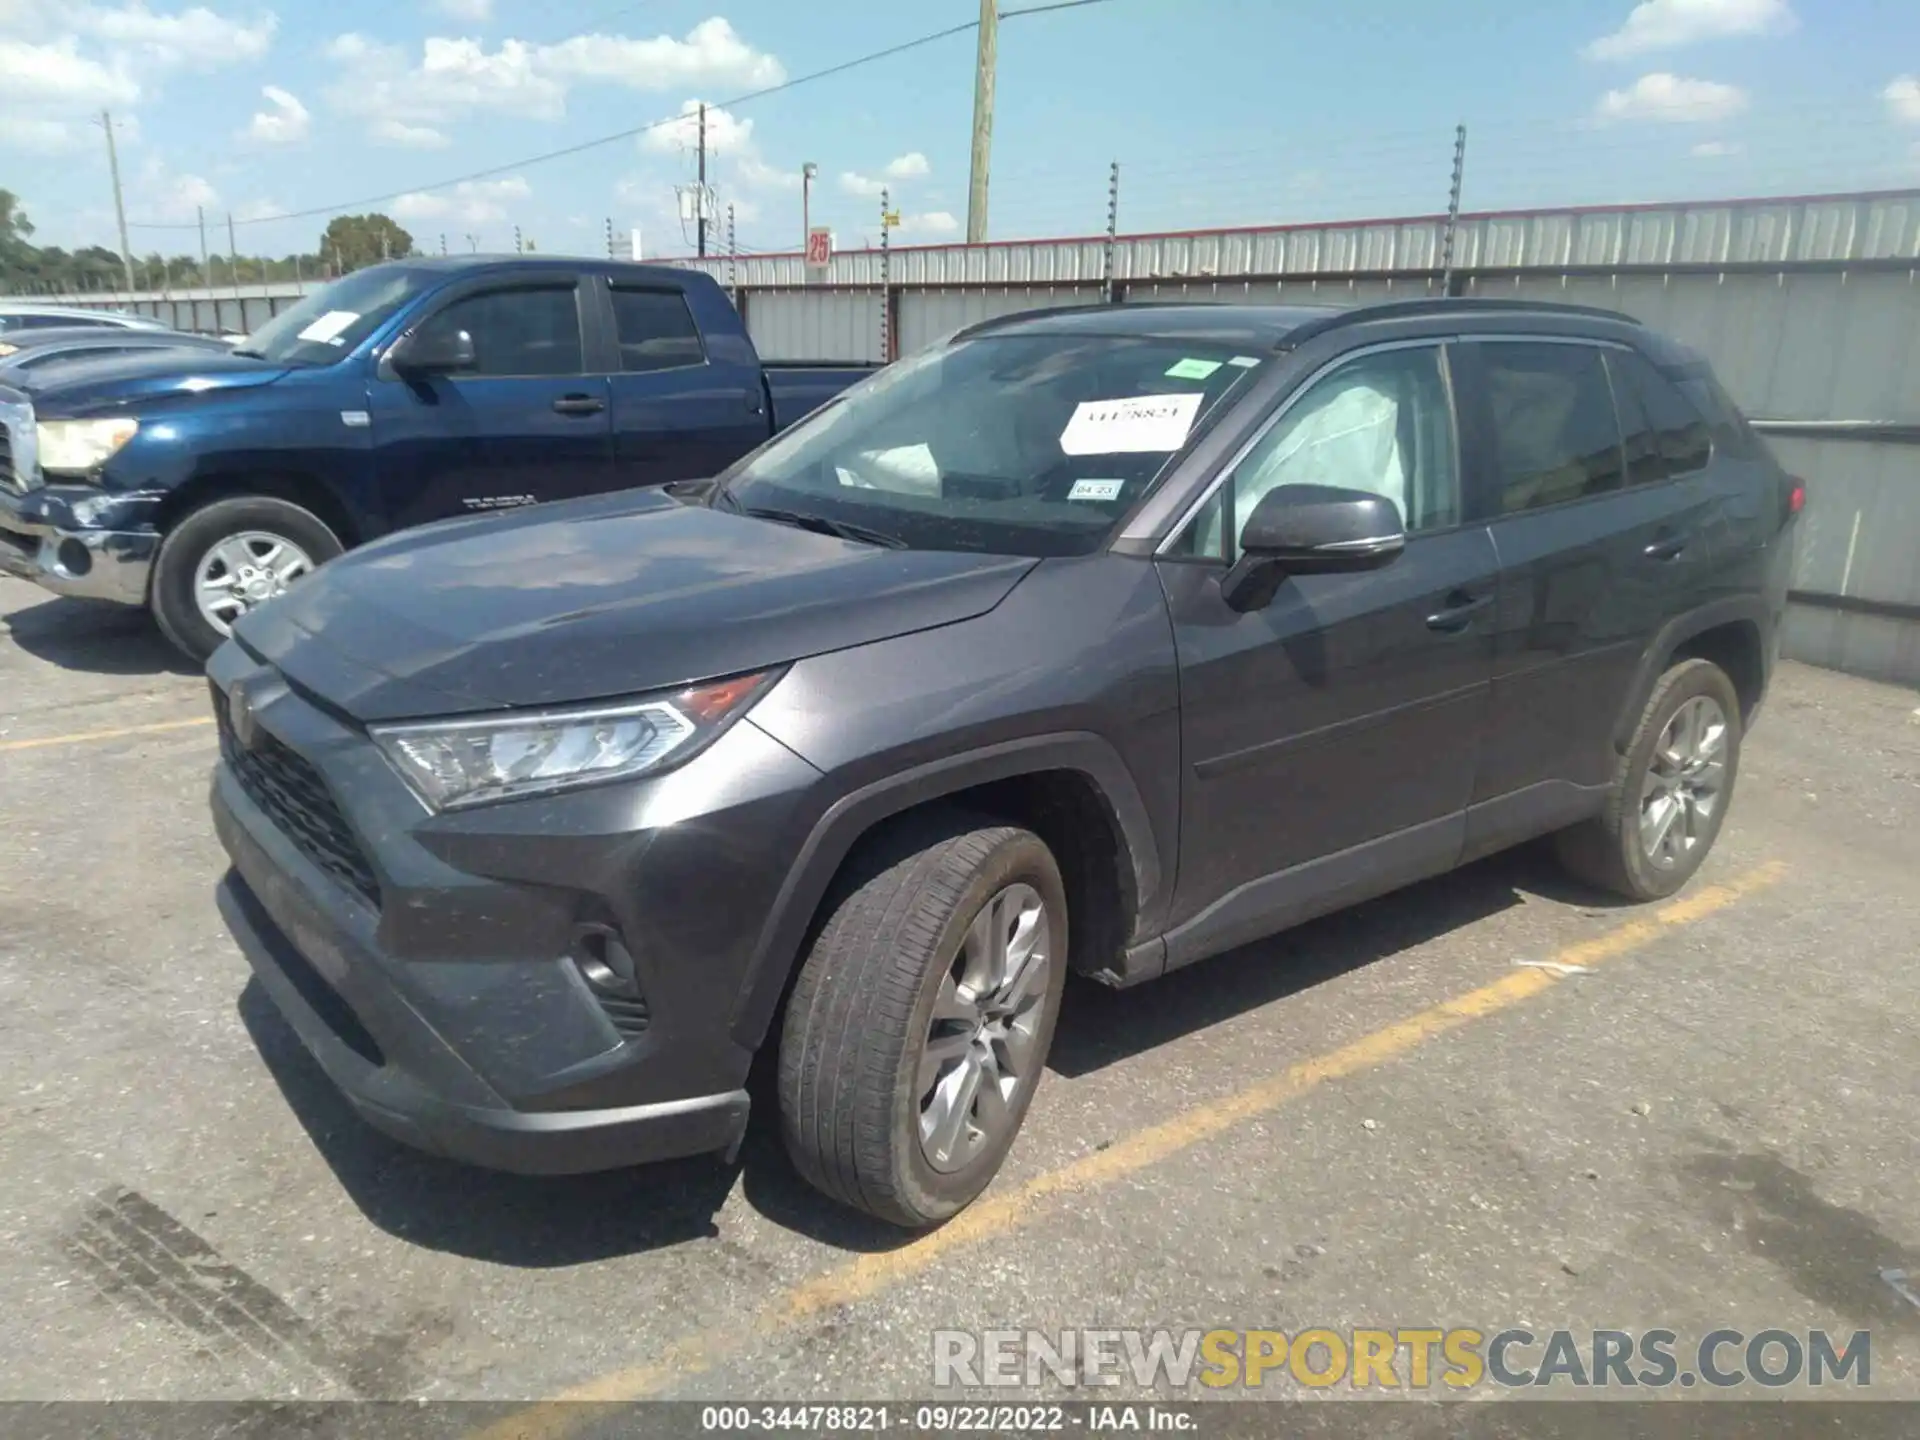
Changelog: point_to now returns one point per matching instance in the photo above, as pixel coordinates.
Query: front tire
(1670, 790)
(920, 1024)
(223, 559)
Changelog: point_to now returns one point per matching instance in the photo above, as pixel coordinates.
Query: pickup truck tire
(920, 1024)
(196, 536)
(1670, 789)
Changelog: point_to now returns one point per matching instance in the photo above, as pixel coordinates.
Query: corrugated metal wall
(824, 325)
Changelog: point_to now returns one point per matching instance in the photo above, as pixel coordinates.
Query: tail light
(1796, 495)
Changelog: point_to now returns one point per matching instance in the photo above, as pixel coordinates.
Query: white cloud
(37, 137)
(407, 137)
(477, 11)
(1672, 97)
(472, 202)
(1670, 24)
(259, 210)
(285, 122)
(711, 54)
(930, 222)
(1715, 149)
(1903, 99)
(453, 78)
(169, 196)
(192, 39)
(855, 183)
(910, 166)
(57, 75)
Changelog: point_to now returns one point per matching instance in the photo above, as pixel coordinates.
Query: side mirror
(433, 352)
(1311, 530)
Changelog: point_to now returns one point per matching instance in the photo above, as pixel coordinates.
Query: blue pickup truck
(201, 484)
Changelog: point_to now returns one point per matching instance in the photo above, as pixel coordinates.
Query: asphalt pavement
(1494, 1101)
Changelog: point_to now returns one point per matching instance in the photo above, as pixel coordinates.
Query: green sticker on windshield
(1192, 369)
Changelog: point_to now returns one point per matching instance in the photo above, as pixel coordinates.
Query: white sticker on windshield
(1124, 427)
(329, 326)
(1096, 489)
(1245, 362)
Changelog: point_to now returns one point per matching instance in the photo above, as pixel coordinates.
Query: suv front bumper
(440, 991)
(42, 540)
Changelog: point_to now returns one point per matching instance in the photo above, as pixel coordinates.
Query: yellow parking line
(86, 736)
(869, 1274)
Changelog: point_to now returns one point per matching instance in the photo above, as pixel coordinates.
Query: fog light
(601, 956)
(74, 558)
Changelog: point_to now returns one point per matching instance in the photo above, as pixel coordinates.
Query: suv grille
(297, 800)
(19, 464)
(6, 458)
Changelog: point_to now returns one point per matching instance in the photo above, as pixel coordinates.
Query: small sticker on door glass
(1096, 489)
(1131, 425)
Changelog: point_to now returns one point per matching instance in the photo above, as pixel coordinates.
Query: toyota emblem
(240, 715)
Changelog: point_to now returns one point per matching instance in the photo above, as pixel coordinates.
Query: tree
(15, 227)
(351, 241)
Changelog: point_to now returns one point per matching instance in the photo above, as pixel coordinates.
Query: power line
(527, 163)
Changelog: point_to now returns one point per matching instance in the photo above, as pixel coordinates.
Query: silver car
(20, 315)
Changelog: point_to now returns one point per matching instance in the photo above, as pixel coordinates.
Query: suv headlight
(78, 447)
(454, 763)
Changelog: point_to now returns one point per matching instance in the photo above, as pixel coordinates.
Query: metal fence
(1808, 307)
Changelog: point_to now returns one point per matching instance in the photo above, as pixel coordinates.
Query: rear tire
(900, 995)
(1670, 790)
(194, 540)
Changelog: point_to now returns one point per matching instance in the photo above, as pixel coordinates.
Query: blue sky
(1219, 111)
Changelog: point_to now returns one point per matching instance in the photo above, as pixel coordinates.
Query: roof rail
(1445, 305)
(993, 322)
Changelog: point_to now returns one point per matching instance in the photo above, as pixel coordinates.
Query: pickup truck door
(685, 404)
(527, 424)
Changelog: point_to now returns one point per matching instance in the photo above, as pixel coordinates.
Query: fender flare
(851, 817)
(1675, 633)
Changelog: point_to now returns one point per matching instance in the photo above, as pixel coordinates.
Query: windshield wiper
(250, 354)
(821, 525)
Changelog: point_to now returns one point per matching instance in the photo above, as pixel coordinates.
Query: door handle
(1667, 547)
(579, 405)
(1458, 612)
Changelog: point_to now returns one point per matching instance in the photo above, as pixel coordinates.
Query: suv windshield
(334, 319)
(1013, 444)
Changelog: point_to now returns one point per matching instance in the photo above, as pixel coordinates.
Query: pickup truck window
(524, 331)
(337, 317)
(655, 330)
(1026, 444)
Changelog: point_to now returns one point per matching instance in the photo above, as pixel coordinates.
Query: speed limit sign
(819, 248)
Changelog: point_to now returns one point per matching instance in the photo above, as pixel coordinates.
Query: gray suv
(1100, 640)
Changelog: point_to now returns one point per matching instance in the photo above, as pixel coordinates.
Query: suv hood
(80, 385)
(588, 600)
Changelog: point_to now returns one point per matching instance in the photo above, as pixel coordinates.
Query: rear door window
(655, 330)
(1555, 434)
(1681, 441)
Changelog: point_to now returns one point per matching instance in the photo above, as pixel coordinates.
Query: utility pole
(610, 237)
(233, 258)
(733, 261)
(518, 249)
(807, 172)
(206, 262)
(886, 286)
(982, 121)
(119, 203)
(443, 242)
(700, 199)
(1453, 208)
(1113, 232)
(473, 243)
